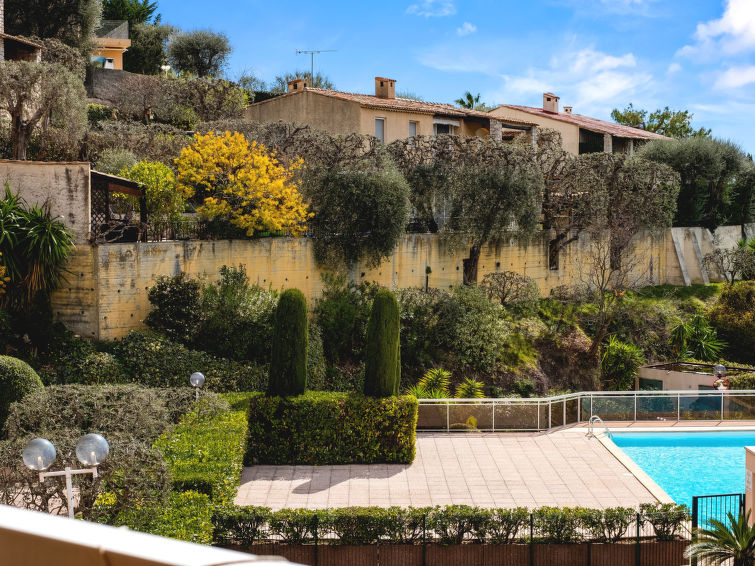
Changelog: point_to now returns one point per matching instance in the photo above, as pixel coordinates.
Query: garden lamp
(91, 450)
(719, 370)
(197, 381)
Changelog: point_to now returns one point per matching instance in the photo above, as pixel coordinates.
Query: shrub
(695, 338)
(452, 523)
(667, 519)
(17, 379)
(241, 526)
(436, 380)
(356, 525)
(115, 160)
(164, 202)
(342, 313)
(331, 428)
(733, 315)
(511, 289)
(294, 526)
(176, 307)
(185, 516)
(237, 316)
(382, 366)
(608, 525)
(406, 525)
(558, 524)
(101, 368)
(204, 452)
(99, 112)
(288, 367)
(155, 361)
(470, 389)
(418, 310)
(619, 364)
(499, 526)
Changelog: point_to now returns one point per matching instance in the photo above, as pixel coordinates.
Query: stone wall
(105, 295)
(65, 186)
(105, 84)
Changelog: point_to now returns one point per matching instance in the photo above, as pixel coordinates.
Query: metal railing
(536, 414)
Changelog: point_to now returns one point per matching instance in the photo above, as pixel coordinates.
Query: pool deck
(653, 425)
(561, 468)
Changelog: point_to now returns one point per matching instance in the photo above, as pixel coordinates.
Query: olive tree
(201, 52)
(40, 97)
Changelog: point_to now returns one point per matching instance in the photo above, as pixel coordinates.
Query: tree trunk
(20, 139)
(598, 340)
(470, 265)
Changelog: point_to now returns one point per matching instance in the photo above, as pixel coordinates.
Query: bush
(288, 367)
(356, 525)
(382, 366)
(733, 315)
(667, 519)
(237, 317)
(115, 160)
(331, 428)
(17, 379)
(99, 112)
(155, 361)
(185, 516)
(608, 525)
(176, 307)
(500, 526)
(294, 526)
(204, 452)
(342, 313)
(101, 368)
(452, 523)
(558, 524)
(619, 364)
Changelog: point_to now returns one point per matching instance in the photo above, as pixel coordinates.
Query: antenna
(312, 52)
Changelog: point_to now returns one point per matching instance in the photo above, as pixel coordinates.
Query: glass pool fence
(545, 413)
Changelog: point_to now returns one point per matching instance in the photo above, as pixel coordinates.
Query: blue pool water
(690, 463)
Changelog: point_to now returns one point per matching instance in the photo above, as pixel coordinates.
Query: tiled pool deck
(562, 468)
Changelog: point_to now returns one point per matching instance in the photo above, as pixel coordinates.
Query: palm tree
(468, 100)
(735, 542)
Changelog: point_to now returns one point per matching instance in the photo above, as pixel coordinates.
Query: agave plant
(470, 388)
(721, 543)
(696, 339)
(436, 380)
(421, 393)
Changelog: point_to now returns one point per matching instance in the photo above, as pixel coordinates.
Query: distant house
(111, 42)
(581, 134)
(13, 48)
(384, 115)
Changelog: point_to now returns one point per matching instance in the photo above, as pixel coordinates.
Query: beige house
(383, 114)
(13, 48)
(111, 41)
(581, 134)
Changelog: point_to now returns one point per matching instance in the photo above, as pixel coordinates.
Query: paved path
(562, 468)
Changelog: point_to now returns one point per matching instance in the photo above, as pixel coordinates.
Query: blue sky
(595, 54)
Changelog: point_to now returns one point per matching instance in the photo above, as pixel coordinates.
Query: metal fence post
(678, 407)
(722, 406)
(693, 560)
(635, 407)
(637, 544)
(532, 539)
(448, 417)
(316, 521)
(493, 416)
(424, 539)
(550, 420)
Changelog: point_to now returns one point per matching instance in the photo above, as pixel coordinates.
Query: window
(380, 129)
(442, 129)
(412, 129)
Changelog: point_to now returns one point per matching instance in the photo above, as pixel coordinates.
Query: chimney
(295, 85)
(385, 88)
(567, 109)
(550, 102)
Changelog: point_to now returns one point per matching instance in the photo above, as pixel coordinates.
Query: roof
(118, 184)
(394, 104)
(592, 124)
(21, 40)
(112, 29)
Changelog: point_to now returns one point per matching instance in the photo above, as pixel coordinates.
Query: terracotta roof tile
(21, 40)
(592, 124)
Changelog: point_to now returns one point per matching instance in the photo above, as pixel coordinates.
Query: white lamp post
(91, 450)
(197, 381)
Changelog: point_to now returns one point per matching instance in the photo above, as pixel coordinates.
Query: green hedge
(331, 428)
(184, 516)
(453, 524)
(154, 361)
(17, 379)
(204, 452)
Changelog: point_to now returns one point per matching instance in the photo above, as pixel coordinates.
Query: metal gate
(707, 507)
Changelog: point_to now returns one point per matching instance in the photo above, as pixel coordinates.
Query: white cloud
(673, 68)
(466, 29)
(736, 77)
(733, 33)
(618, 7)
(433, 8)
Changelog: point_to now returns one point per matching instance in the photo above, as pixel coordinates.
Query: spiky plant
(470, 388)
(720, 543)
(438, 380)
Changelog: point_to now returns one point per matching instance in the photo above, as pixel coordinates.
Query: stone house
(580, 134)
(383, 114)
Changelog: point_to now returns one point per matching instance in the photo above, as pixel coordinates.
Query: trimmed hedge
(204, 451)
(154, 361)
(452, 524)
(331, 428)
(382, 356)
(288, 364)
(17, 379)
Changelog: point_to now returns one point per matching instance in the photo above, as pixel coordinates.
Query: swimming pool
(684, 464)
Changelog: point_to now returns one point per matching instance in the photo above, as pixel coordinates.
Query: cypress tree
(382, 371)
(288, 366)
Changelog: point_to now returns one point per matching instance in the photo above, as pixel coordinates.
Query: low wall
(65, 186)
